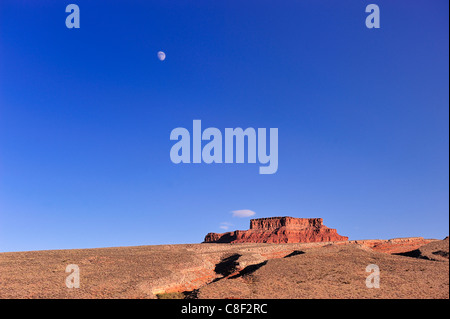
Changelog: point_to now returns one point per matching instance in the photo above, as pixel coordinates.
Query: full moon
(161, 56)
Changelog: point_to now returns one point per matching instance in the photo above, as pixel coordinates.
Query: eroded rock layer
(279, 230)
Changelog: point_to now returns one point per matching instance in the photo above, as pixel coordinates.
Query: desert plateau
(409, 268)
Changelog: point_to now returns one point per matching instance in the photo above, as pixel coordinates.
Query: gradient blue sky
(86, 114)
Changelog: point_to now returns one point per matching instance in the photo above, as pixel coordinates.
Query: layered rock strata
(279, 230)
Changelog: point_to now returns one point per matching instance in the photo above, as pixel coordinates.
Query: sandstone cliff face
(279, 230)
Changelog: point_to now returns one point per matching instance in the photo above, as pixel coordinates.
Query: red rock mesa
(279, 230)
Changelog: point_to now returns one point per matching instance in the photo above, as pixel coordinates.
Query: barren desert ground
(409, 268)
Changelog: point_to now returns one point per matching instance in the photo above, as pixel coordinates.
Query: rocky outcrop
(395, 245)
(279, 230)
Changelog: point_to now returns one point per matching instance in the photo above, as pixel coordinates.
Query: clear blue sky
(86, 114)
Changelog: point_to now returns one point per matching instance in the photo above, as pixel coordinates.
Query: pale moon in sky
(161, 56)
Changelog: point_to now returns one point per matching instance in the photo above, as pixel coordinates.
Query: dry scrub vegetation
(325, 270)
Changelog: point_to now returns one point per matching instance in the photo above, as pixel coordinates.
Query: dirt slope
(309, 270)
(336, 272)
